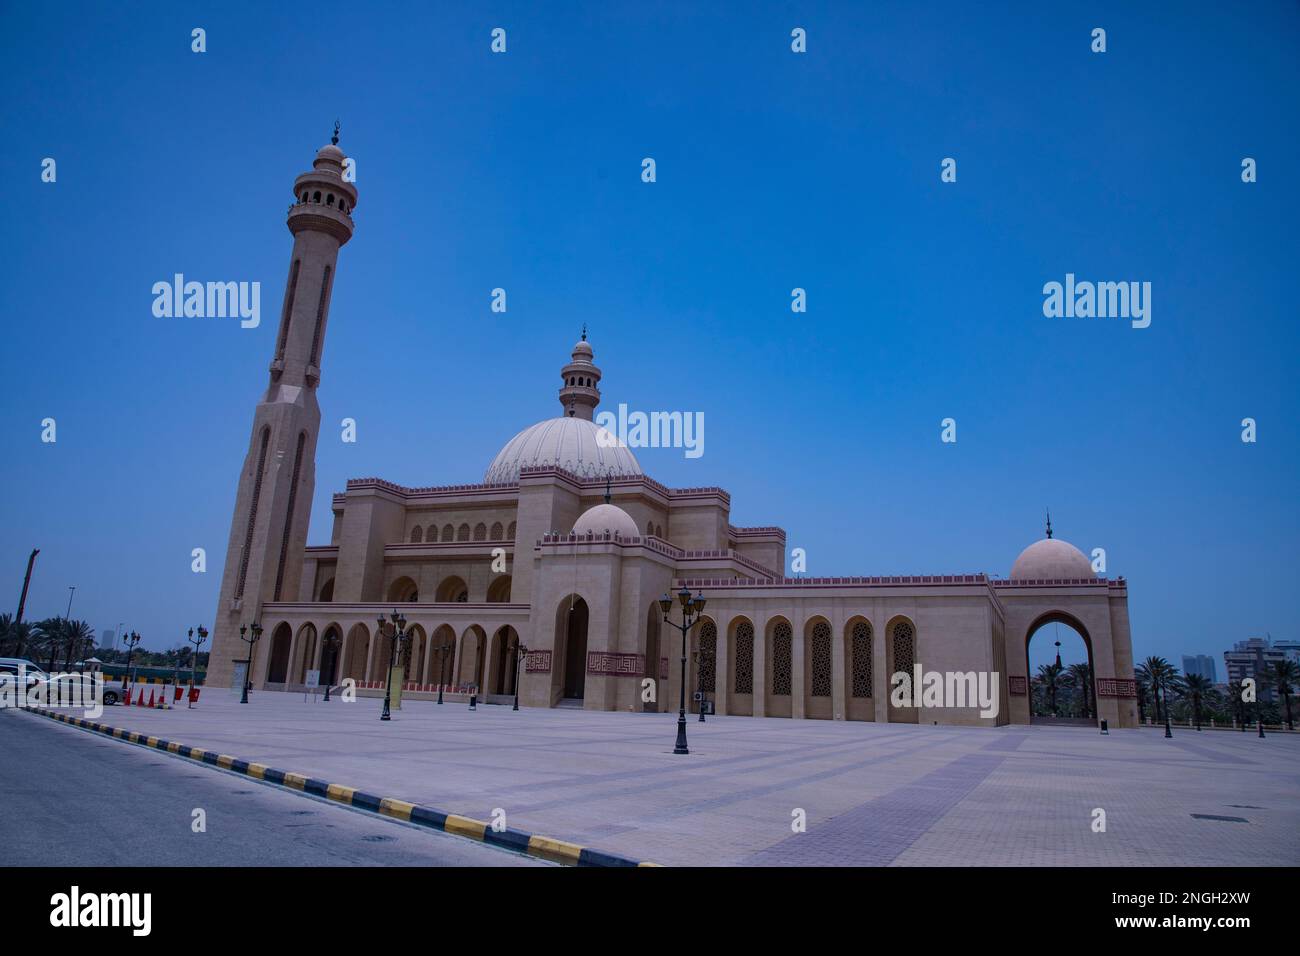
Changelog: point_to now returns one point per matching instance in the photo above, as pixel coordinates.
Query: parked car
(33, 675)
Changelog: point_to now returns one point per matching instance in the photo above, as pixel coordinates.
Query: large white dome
(1052, 559)
(571, 443)
(604, 518)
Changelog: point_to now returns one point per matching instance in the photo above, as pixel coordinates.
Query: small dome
(331, 152)
(571, 443)
(1052, 558)
(604, 518)
(582, 348)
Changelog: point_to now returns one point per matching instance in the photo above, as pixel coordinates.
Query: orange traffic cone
(126, 701)
(150, 696)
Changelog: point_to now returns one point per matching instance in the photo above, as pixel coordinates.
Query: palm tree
(47, 638)
(1081, 677)
(1195, 688)
(1284, 673)
(1236, 702)
(1160, 673)
(1049, 678)
(78, 636)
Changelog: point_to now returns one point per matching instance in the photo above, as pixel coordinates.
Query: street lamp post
(521, 655)
(328, 644)
(399, 635)
(194, 661)
(692, 607)
(442, 649)
(255, 631)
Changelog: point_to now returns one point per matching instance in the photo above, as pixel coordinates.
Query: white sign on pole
(313, 678)
(237, 681)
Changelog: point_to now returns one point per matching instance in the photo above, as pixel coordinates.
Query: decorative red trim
(537, 662)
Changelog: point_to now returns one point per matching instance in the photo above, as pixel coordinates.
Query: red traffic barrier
(179, 691)
(194, 695)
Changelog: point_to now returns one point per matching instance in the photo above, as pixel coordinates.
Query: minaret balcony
(320, 218)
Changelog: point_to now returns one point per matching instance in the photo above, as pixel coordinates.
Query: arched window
(649, 528)
(745, 658)
(480, 532)
(862, 659)
(904, 649)
(447, 533)
(462, 533)
(432, 533)
(316, 196)
(304, 195)
(329, 200)
(708, 657)
(497, 531)
(821, 659)
(659, 531)
(510, 532)
(417, 534)
(782, 648)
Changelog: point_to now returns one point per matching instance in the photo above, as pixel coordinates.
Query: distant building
(1202, 664)
(1289, 649)
(1249, 658)
(107, 639)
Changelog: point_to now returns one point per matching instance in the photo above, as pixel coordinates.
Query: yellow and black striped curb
(546, 848)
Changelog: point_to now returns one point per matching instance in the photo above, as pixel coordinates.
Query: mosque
(544, 578)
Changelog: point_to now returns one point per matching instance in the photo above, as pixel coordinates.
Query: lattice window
(497, 531)
(904, 648)
(480, 532)
(510, 532)
(782, 649)
(708, 657)
(745, 658)
(821, 659)
(462, 533)
(417, 534)
(862, 659)
(448, 534)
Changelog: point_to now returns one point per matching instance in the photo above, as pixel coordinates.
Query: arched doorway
(571, 646)
(452, 590)
(305, 654)
(413, 654)
(442, 660)
(651, 669)
(277, 670)
(702, 665)
(331, 645)
(356, 653)
(505, 647)
(403, 591)
(1062, 681)
(740, 659)
(472, 652)
(780, 668)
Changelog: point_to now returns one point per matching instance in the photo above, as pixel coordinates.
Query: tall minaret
(269, 529)
(580, 393)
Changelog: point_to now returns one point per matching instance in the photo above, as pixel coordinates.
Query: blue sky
(775, 170)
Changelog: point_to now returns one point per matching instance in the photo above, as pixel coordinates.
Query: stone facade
(556, 552)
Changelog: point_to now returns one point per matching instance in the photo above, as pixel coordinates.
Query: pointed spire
(1049, 522)
(335, 138)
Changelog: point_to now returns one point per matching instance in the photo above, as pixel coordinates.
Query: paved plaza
(874, 794)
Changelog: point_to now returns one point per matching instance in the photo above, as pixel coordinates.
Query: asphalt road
(71, 798)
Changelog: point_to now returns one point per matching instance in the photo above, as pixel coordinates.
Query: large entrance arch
(1064, 695)
(569, 675)
(277, 671)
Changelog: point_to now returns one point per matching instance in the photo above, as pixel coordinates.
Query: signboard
(237, 680)
(395, 687)
(313, 678)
